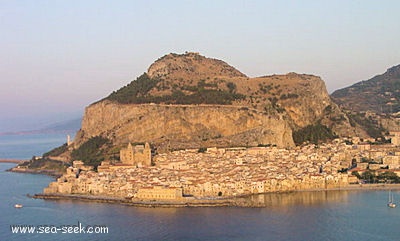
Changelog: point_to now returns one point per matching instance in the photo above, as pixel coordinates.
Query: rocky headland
(215, 135)
(195, 101)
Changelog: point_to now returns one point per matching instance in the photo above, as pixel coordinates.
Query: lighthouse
(69, 142)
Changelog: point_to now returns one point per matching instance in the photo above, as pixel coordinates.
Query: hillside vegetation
(93, 151)
(315, 134)
(380, 94)
(138, 92)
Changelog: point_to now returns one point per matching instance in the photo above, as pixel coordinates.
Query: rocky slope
(190, 101)
(301, 97)
(380, 94)
(373, 104)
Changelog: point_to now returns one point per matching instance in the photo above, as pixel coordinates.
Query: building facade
(138, 155)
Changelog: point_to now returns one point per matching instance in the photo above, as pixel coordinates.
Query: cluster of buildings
(214, 173)
(376, 158)
(226, 172)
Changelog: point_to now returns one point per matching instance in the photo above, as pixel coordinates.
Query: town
(215, 173)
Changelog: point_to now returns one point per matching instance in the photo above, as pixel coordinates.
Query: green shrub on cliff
(92, 152)
(369, 124)
(137, 92)
(56, 151)
(45, 163)
(313, 133)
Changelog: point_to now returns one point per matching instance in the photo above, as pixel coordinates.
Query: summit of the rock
(191, 66)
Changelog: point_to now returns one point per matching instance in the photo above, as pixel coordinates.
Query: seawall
(239, 201)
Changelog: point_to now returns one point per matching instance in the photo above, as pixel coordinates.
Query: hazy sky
(59, 56)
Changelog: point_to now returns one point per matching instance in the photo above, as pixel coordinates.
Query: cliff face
(190, 101)
(183, 126)
(302, 98)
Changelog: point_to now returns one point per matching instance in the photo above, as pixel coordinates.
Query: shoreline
(239, 201)
(141, 203)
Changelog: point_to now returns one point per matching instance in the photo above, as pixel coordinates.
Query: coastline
(375, 186)
(141, 203)
(239, 201)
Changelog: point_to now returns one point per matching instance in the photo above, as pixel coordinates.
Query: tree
(369, 176)
(202, 149)
(355, 173)
(231, 86)
(91, 152)
(388, 176)
(313, 133)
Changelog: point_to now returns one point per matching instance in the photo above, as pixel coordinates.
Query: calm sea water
(341, 215)
(25, 146)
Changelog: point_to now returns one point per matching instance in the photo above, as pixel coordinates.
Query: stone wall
(159, 193)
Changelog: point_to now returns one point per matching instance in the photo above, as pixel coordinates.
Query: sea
(332, 215)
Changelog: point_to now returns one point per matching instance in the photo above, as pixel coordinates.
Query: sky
(57, 57)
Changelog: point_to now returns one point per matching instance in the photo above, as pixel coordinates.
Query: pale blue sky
(59, 56)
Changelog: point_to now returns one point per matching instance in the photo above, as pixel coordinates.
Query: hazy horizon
(60, 56)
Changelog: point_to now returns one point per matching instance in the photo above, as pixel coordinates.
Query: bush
(388, 176)
(313, 133)
(369, 176)
(56, 151)
(202, 150)
(92, 152)
(371, 126)
(46, 164)
(289, 96)
(137, 92)
(385, 177)
(265, 88)
(355, 173)
(231, 86)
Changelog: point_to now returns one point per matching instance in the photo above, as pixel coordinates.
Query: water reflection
(316, 198)
(306, 198)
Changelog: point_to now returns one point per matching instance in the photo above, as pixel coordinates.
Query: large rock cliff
(190, 101)
(303, 98)
(184, 126)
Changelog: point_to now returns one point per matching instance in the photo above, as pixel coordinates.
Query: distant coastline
(11, 161)
(66, 127)
(48, 172)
